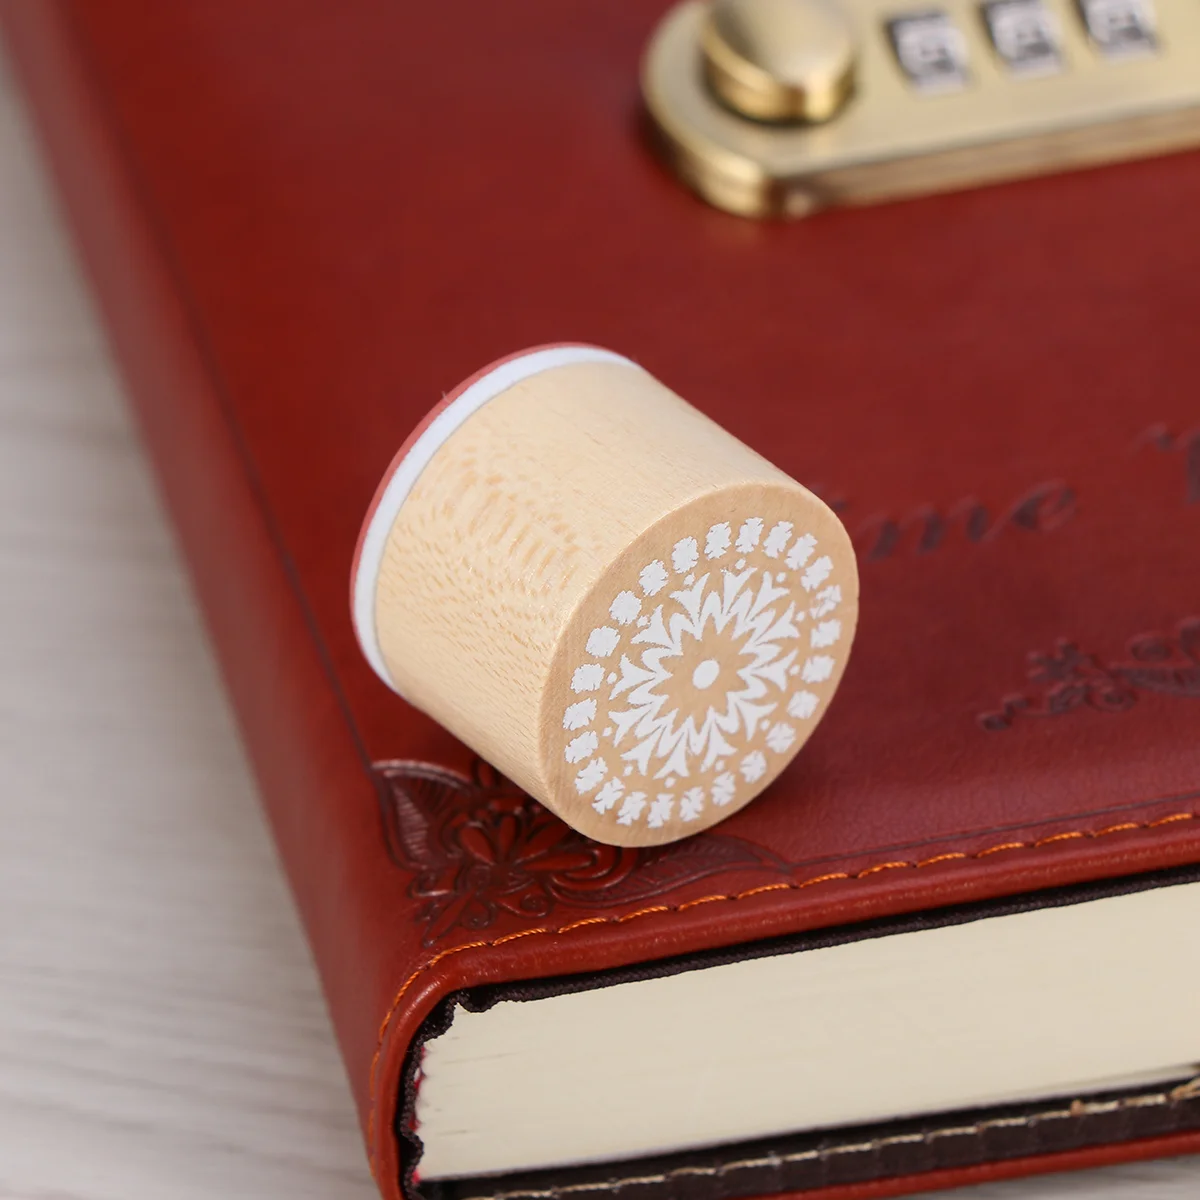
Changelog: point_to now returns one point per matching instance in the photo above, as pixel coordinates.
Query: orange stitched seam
(1003, 846)
(1170, 819)
(581, 924)
(812, 882)
(512, 937)
(886, 866)
(755, 891)
(762, 888)
(633, 916)
(928, 862)
(692, 903)
(1059, 837)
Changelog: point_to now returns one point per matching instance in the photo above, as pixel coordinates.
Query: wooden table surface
(162, 1033)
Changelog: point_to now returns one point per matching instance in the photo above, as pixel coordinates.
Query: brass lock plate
(945, 95)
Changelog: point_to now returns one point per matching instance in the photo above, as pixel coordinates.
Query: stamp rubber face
(690, 676)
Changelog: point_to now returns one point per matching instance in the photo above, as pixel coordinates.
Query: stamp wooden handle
(632, 614)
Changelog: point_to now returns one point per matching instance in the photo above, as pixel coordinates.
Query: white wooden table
(162, 1033)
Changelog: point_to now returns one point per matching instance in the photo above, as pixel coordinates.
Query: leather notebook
(306, 223)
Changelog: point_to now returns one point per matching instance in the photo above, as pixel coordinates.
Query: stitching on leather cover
(1076, 1109)
(373, 1085)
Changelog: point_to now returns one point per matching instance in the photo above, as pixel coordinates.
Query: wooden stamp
(633, 615)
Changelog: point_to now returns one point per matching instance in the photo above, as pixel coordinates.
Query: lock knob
(780, 60)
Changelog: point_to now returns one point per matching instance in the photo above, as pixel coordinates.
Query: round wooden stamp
(629, 612)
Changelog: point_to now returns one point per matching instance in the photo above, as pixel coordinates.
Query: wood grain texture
(161, 1027)
(631, 613)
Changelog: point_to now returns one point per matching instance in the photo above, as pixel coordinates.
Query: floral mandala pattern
(706, 675)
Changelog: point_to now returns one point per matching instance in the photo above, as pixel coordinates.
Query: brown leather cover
(306, 221)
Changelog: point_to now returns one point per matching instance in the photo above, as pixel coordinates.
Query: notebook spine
(303, 750)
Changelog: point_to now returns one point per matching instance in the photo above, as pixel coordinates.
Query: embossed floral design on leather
(1068, 679)
(478, 847)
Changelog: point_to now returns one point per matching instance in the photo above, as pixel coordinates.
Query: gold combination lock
(782, 107)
